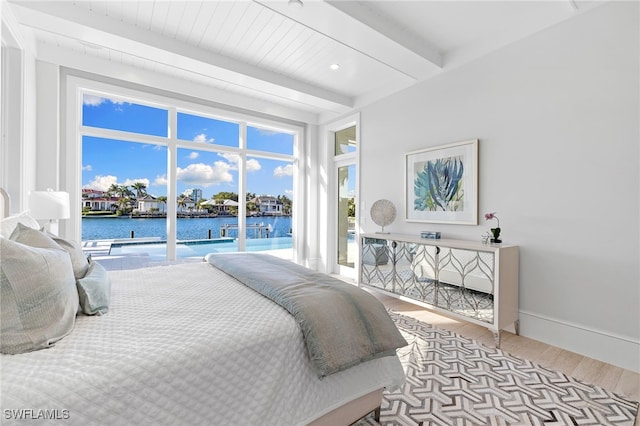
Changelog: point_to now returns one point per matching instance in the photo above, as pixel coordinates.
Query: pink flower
(489, 216)
(495, 231)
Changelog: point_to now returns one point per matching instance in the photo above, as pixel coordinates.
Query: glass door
(345, 152)
(346, 202)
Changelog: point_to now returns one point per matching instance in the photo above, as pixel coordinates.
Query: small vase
(496, 235)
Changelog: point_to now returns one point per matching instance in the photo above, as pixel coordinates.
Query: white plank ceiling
(278, 53)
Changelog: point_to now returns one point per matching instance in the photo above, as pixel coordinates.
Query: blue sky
(105, 161)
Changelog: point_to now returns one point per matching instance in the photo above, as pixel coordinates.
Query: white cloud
(289, 193)
(102, 183)
(202, 138)
(205, 175)
(92, 100)
(87, 168)
(160, 180)
(130, 182)
(253, 165)
(283, 171)
(267, 132)
(193, 155)
(233, 159)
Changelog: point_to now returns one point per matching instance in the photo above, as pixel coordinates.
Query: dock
(259, 227)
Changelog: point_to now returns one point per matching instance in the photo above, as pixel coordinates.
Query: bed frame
(353, 411)
(6, 203)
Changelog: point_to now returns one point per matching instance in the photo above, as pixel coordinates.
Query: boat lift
(259, 229)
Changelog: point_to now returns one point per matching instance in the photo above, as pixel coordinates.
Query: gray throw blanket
(342, 324)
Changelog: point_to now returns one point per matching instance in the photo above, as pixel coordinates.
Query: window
(345, 141)
(126, 116)
(217, 181)
(205, 130)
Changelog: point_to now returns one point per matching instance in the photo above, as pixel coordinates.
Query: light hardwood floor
(615, 379)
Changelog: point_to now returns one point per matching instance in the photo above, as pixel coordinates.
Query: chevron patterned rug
(452, 380)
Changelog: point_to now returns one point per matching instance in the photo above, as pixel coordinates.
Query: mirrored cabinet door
(459, 277)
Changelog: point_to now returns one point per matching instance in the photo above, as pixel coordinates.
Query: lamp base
(52, 226)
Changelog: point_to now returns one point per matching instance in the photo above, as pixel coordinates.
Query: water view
(97, 228)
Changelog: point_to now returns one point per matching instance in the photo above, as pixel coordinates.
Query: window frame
(72, 159)
(334, 162)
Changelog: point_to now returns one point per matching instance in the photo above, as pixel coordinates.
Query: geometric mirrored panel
(457, 280)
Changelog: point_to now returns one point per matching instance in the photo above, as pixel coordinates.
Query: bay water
(106, 228)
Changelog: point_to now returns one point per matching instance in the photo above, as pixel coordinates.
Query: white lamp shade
(49, 204)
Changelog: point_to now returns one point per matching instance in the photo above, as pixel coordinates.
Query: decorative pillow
(33, 237)
(94, 290)
(38, 297)
(79, 260)
(36, 238)
(8, 224)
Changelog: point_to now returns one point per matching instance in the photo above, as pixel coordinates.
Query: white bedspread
(182, 345)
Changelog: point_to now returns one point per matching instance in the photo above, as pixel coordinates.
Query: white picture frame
(442, 184)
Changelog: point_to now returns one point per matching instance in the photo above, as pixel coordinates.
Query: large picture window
(164, 181)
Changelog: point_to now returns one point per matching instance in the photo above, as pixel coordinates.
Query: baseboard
(618, 350)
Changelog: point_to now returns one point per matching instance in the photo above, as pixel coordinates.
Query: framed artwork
(442, 184)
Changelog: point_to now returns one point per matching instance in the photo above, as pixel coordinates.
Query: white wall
(18, 176)
(557, 116)
(48, 129)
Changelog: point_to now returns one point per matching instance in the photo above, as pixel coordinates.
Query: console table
(465, 279)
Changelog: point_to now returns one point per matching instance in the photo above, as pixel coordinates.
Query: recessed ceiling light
(296, 3)
(334, 66)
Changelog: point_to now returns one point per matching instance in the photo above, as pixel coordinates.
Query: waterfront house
(221, 206)
(268, 205)
(149, 203)
(186, 205)
(96, 200)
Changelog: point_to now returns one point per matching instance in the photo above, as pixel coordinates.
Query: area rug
(452, 380)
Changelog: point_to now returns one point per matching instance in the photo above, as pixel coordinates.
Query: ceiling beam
(360, 11)
(65, 20)
(357, 27)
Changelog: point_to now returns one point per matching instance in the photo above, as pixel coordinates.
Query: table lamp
(49, 205)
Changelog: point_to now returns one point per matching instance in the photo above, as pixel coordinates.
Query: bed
(188, 344)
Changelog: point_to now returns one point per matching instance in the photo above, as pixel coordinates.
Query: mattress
(182, 344)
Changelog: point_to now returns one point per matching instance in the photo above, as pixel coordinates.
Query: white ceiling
(278, 53)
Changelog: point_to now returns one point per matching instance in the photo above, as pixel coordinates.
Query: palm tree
(122, 204)
(162, 200)
(113, 189)
(286, 204)
(181, 202)
(226, 196)
(121, 191)
(199, 204)
(141, 189)
(126, 191)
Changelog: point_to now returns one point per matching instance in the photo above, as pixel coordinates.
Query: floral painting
(442, 184)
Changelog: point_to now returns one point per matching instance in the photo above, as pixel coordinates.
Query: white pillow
(38, 297)
(94, 290)
(36, 238)
(8, 224)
